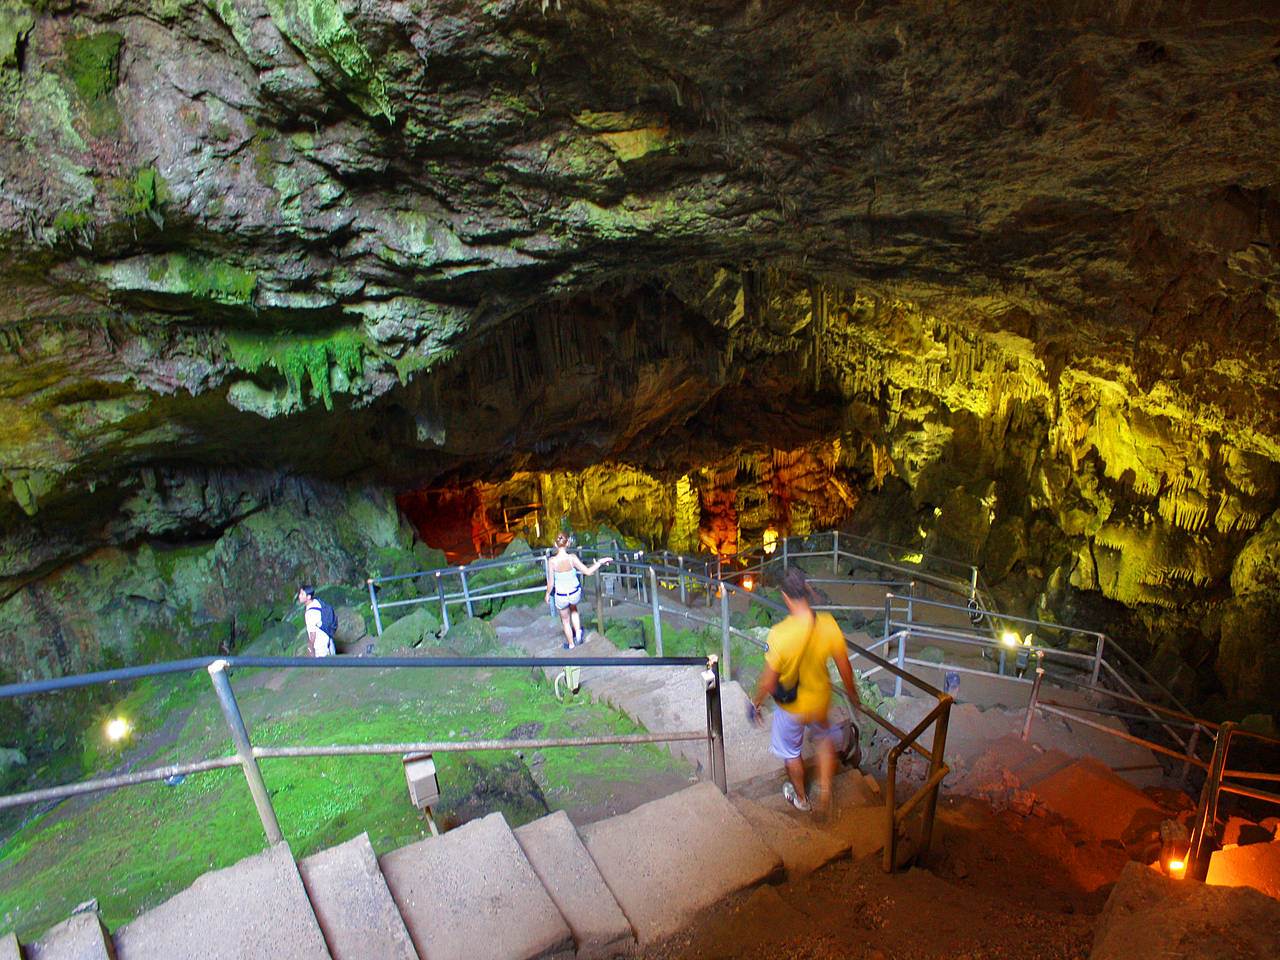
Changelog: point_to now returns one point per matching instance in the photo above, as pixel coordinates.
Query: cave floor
(996, 887)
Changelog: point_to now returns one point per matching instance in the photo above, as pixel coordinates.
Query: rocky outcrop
(1004, 274)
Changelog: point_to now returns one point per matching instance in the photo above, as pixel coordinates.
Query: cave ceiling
(404, 241)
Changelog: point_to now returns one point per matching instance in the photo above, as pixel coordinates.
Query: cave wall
(1017, 259)
(168, 598)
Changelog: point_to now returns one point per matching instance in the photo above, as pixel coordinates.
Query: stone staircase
(484, 891)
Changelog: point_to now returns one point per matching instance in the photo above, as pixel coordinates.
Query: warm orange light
(770, 539)
(1176, 867)
(748, 582)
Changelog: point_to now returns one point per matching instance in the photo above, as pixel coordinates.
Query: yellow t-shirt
(786, 642)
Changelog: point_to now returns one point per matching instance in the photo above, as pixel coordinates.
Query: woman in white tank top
(562, 581)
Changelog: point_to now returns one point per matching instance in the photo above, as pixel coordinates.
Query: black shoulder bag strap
(784, 694)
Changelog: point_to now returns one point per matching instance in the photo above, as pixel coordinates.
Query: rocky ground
(998, 886)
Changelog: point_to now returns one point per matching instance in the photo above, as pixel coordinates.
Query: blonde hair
(562, 539)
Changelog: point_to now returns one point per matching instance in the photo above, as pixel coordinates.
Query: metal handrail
(247, 755)
(660, 568)
(1203, 833)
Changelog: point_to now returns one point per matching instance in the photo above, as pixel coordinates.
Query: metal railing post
(599, 606)
(890, 814)
(244, 750)
(935, 765)
(715, 725)
(902, 661)
(973, 583)
(684, 596)
(1035, 695)
(1199, 850)
(1097, 659)
(724, 631)
(657, 611)
(784, 556)
(835, 553)
(373, 602)
(466, 594)
(888, 601)
(444, 607)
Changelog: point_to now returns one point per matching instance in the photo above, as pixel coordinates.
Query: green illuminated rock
(997, 281)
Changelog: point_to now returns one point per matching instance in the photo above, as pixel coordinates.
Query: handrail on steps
(247, 755)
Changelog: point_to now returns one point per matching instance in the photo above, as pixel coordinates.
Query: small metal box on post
(424, 788)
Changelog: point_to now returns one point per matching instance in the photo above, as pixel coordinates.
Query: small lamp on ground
(424, 788)
(117, 729)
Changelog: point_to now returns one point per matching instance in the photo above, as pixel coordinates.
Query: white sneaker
(789, 791)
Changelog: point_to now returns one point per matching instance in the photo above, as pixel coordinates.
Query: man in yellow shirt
(795, 673)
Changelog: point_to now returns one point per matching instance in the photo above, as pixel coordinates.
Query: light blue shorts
(564, 601)
(786, 735)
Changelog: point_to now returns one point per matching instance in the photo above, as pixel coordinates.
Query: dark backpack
(328, 619)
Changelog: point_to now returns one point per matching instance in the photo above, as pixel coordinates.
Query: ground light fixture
(748, 582)
(1010, 639)
(117, 729)
(424, 788)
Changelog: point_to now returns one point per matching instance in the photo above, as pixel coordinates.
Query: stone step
(471, 894)
(79, 937)
(669, 859)
(353, 905)
(256, 908)
(793, 836)
(9, 947)
(857, 818)
(571, 877)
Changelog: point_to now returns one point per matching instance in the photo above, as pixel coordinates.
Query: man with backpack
(321, 622)
(795, 674)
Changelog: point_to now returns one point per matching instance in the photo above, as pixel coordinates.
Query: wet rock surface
(1006, 272)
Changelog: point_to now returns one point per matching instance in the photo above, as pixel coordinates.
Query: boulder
(1152, 917)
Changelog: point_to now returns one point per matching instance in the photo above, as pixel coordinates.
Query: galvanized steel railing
(651, 576)
(247, 755)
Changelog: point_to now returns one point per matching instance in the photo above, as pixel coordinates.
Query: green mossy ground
(134, 848)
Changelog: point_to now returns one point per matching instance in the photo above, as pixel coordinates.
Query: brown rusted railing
(895, 815)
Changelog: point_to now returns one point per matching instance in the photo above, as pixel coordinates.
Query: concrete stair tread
(669, 859)
(353, 905)
(802, 847)
(254, 908)
(574, 883)
(857, 817)
(472, 892)
(79, 937)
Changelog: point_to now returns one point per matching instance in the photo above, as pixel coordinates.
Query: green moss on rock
(93, 63)
(16, 21)
(320, 29)
(299, 356)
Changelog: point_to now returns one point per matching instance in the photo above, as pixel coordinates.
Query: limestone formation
(998, 278)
